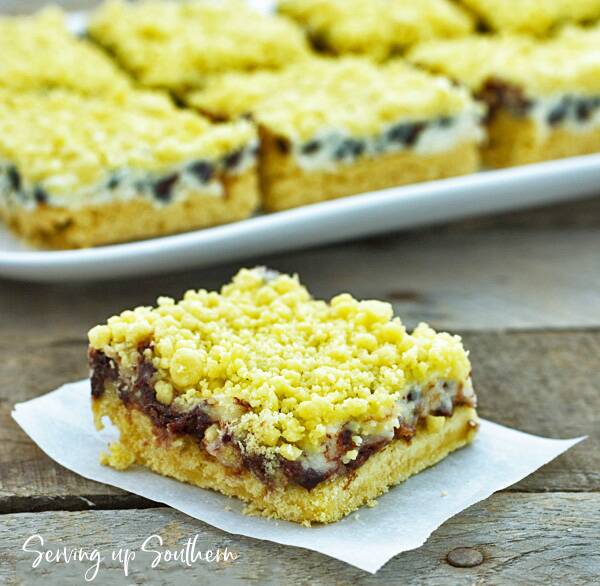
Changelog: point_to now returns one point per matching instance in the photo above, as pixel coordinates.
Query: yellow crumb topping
(350, 94)
(376, 28)
(66, 141)
(38, 52)
(540, 67)
(301, 365)
(176, 44)
(536, 17)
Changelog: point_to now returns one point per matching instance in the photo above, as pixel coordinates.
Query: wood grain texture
(543, 383)
(533, 539)
(496, 279)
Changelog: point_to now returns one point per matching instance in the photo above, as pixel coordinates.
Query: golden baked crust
(377, 28)
(38, 52)
(122, 221)
(536, 17)
(285, 185)
(182, 458)
(175, 45)
(516, 140)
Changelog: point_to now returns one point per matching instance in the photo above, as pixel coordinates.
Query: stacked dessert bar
(79, 171)
(332, 127)
(304, 409)
(87, 159)
(543, 96)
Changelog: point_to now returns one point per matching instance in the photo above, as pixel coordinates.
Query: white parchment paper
(60, 423)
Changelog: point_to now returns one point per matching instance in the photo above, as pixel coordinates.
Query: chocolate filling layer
(138, 392)
(498, 94)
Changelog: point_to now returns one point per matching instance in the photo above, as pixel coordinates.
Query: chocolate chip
(406, 133)
(413, 395)
(163, 189)
(464, 557)
(283, 146)
(14, 178)
(113, 182)
(311, 147)
(584, 109)
(349, 148)
(202, 170)
(497, 94)
(446, 121)
(232, 160)
(558, 113)
(40, 195)
(306, 477)
(103, 369)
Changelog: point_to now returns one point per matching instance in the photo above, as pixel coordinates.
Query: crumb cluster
(377, 28)
(39, 53)
(350, 94)
(567, 63)
(536, 17)
(175, 45)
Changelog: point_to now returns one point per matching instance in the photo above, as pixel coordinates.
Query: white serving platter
(337, 220)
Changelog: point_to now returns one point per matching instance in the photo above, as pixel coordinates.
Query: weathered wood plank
(537, 539)
(470, 280)
(544, 383)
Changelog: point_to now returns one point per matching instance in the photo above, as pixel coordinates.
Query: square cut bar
(376, 28)
(38, 52)
(78, 171)
(537, 17)
(176, 45)
(543, 96)
(334, 127)
(304, 409)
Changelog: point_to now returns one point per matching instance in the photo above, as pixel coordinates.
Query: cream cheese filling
(334, 147)
(577, 114)
(197, 177)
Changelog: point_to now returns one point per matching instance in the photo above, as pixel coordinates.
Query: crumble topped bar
(332, 111)
(38, 52)
(533, 16)
(269, 380)
(176, 45)
(554, 82)
(377, 28)
(59, 148)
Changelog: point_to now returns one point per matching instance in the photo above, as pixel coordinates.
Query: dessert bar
(176, 45)
(79, 171)
(543, 97)
(334, 127)
(304, 409)
(377, 28)
(538, 17)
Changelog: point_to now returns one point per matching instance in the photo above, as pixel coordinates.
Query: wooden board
(524, 538)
